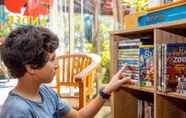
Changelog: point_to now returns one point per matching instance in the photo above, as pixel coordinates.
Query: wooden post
(114, 13)
(71, 25)
(96, 40)
(82, 99)
(58, 85)
(118, 14)
(96, 26)
(82, 24)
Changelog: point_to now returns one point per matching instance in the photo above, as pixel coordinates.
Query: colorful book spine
(172, 68)
(128, 53)
(145, 109)
(138, 55)
(146, 65)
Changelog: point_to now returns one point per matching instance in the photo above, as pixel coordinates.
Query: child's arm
(94, 106)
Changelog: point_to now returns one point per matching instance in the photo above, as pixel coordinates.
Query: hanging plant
(4, 30)
(138, 5)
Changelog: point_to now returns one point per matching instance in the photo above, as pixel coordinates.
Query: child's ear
(29, 69)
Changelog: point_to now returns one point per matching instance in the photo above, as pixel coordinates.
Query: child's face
(47, 73)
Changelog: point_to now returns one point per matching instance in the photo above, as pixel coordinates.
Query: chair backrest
(69, 65)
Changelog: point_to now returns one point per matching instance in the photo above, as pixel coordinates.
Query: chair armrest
(89, 69)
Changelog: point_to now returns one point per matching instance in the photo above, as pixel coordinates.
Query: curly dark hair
(27, 45)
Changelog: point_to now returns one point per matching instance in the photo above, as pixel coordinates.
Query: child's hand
(117, 80)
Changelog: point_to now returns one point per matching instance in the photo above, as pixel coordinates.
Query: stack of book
(128, 54)
(145, 109)
(137, 54)
(172, 67)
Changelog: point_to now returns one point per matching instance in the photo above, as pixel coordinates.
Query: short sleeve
(15, 114)
(61, 107)
(18, 110)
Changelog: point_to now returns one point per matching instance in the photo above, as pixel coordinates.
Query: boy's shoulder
(47, 91)
(14, 106)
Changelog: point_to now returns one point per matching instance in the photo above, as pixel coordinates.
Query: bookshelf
(144, 89)
(125, 101)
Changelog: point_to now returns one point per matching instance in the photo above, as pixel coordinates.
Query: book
(146, 65)
(128, 54)
(172, 70)
(160, 78)
(175, 64)
(138, 55)
(145, 109)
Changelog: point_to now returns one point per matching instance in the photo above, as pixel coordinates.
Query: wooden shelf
(166, 105)
(139, 31)
(173, 95)
(144, 89)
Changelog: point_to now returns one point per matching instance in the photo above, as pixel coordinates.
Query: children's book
(146, 65)
(175, 67)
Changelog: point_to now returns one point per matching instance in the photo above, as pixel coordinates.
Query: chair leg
(82, 95)
(58, 90)
(90, 85)
(58, 85)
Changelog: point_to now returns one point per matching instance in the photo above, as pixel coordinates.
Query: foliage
(139, 5)
(104, 54)
(103, 36)
(4, 30)
(90, 47)
(105, 60)
(106, 25)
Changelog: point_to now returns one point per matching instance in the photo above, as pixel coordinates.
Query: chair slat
(68, 70)
(58, 78)
(71, 65)
(63, 69)
(72, 73)
(80, 66)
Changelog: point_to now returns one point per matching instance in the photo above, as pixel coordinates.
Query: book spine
(165, 69)
(129, 47)
(164, 82)
(160, 68)
(162, 73)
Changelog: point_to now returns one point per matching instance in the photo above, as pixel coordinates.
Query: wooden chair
(77, 70)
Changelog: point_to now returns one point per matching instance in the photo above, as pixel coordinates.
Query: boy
(29, 54)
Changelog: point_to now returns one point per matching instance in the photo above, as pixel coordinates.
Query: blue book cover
(129, 62)
(165, 15)
(146, 63)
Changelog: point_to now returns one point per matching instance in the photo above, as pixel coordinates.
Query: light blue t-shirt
(51, 106)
